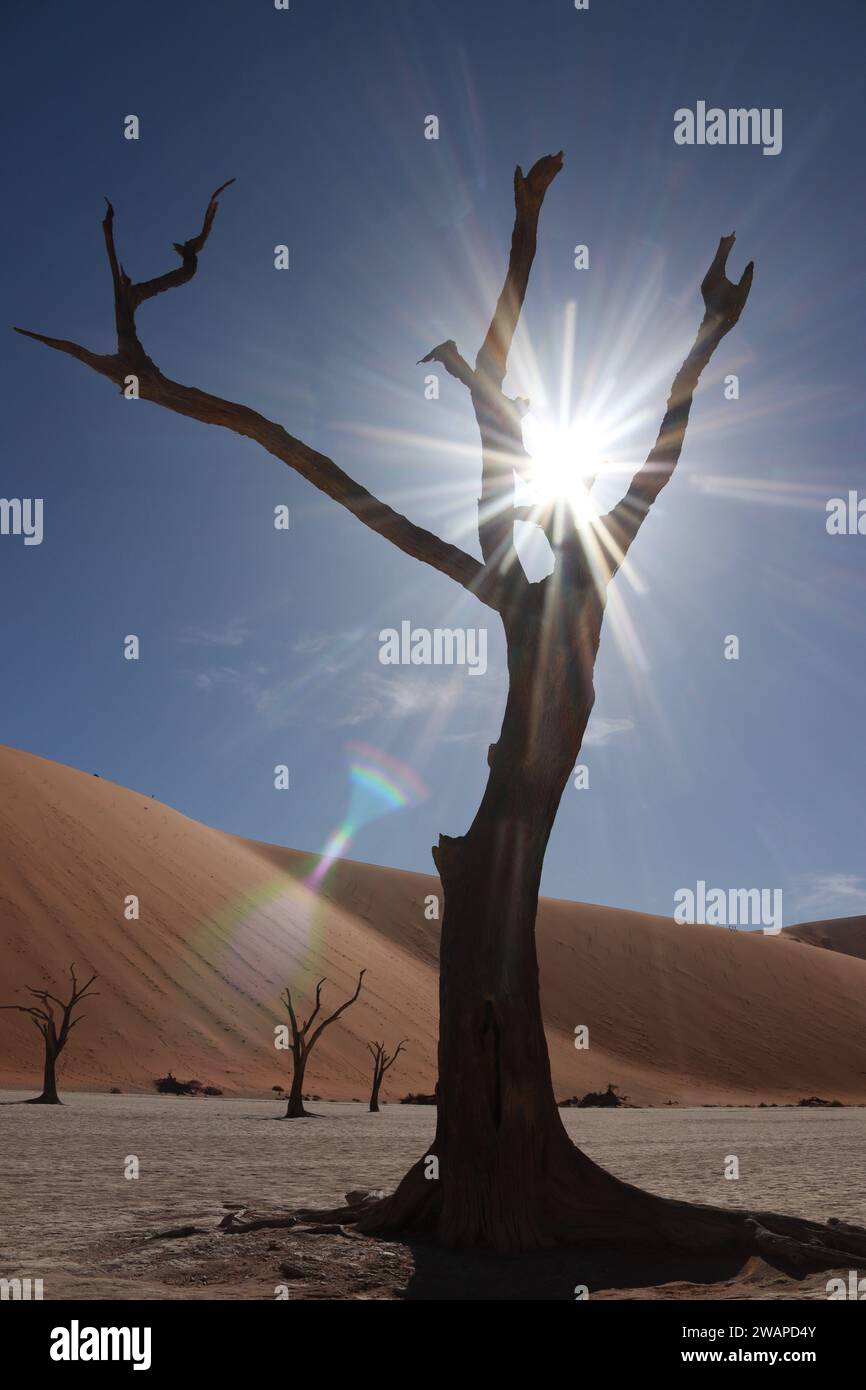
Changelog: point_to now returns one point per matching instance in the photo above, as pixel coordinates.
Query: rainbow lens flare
(285, 916)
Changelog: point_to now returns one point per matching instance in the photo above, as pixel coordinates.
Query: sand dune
(845, 934)
(691, 1014)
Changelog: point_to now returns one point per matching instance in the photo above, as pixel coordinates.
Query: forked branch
(724, 301)
(497, 415)
(382, 1060)
(300, 1031)
(131, 361)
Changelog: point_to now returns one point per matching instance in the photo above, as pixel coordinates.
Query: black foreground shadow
(547, 1275)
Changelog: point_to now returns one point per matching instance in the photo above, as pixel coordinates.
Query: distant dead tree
(510, 1177)
(55, 1029)
(303, 1043)
(382, 1062)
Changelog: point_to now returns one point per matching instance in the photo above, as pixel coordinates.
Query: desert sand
(698, 1016)
(120, 1237)
(845, 934)
(690, 1014)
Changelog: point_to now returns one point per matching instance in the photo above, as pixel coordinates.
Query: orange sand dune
(845, 934)
(691, 1014)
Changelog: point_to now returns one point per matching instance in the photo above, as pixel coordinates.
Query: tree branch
(529, 191)
(24, 1009)
(287, 1000)
(723, 304)
(448, 355)
(322, 472)
(316, 1008)
(389, 1061)
(44, 1018)
(336, 1014)
(499, 418)
(188, 252)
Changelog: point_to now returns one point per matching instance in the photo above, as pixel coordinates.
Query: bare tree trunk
(295, 1109)
(49, 1080)
(374, 1094)
(505, 1173)
(496, 1099)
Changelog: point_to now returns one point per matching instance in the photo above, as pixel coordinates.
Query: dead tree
(303, 1043)
(382, 1062)
(509, 1176)
(55, 1029)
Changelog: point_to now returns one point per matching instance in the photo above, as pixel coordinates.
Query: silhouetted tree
(382, 1062)
(509, 1176)
(55, 1028)
(303, 1042)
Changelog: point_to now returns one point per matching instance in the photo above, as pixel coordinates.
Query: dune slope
(690, 1014)
(845, 934)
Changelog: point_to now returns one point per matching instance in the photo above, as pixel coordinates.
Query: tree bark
(374, 1094)
(49, 1080)
(499, 1138)
(295, 1109)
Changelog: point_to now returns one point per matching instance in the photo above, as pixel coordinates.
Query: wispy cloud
(827, 894)
(271, 697)
(314, 643)
(234, 634)
(601, 730)
(398, 696)
(214, 677)
(323, 685)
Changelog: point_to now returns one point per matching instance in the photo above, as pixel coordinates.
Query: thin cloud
(822, 893)
(601, 730)
(314, 643)
(234, 634)
(398, 697)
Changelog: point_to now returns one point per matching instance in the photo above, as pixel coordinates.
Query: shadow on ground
(554, 1274)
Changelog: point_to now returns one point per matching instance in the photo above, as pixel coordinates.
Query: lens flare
(286, 916)
(378, 784)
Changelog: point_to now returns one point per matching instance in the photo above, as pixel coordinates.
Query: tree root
(177, 1233)
(600, 1210)
(236, 1222)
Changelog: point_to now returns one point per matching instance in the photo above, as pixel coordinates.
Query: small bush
(170, 1086)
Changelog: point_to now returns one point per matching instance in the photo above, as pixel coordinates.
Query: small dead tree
(382, 1062)
(303, 1042)
(55, 1029)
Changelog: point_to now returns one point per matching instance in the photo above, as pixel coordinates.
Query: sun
(564, 463)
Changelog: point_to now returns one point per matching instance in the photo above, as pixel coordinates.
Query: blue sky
(261, 647)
